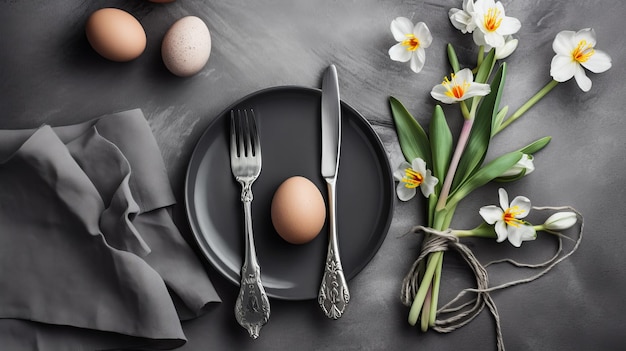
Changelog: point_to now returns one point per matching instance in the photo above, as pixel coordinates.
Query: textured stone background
(49, 74)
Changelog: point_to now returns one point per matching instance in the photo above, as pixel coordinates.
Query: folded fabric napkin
(89, 256)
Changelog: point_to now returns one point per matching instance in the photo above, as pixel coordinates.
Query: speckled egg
(115, 34)
(186, 46)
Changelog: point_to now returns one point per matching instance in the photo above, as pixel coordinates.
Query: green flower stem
(425, 318)
(454, 163)
(420, 297)
(473, 234)
(434, 299)
(427, 295)
(481, 55)
(464, 110)
(530, 103)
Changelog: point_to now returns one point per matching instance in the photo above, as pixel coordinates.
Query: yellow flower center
(582, 52)
(454, 90)
(492, 19)
(411, 42)
(509, 216)
(412, 179)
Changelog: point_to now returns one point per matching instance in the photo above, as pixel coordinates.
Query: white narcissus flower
(508, 219)
(459, 87)
(492, 23)
(412, 40)
(575, 50)
(463, 20)
(524, 164)
(560, 221)
(412, 176)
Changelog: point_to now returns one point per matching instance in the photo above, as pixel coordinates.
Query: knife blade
(331, 123)
(333, 295)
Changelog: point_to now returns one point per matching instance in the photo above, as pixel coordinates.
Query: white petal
(461, 20)
(581, 78)
(501, 231)
(563, 43)
(491, 214)
(417, 60)
(509, 25)
(479, 38)
(587, 34)
(399, 173)
(503, 196)
(400, 27)
(562, 68)
(464, 75)
(482, 6)
(419, 165)
(494, 39)
(439, 93)
(599, 62)
(519, 234)
(468, 6)
(476, 89)
(422, 33)
(400, 53)
(404, 193)
(428, 186)
(523, 204)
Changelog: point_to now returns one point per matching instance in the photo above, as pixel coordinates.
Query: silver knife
(334, 294)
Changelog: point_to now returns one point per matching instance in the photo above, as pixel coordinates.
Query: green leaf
(484, 71)
(535, 146)
(484, 175)
(480, 136)
(440, 144)
(454, 61)
(497, 122)
(413, 140)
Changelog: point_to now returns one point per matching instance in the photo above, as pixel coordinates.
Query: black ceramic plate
(290, 130)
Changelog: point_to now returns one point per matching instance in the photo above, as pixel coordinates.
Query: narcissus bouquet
(446, 169)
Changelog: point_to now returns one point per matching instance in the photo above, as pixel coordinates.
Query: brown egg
(115, 34)
(298, 210)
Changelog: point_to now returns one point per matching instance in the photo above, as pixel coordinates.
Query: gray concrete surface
(50, 74)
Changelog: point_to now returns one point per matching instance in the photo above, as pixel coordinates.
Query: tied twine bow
(459, 314)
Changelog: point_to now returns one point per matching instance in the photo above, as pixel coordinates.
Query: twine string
(459, 314)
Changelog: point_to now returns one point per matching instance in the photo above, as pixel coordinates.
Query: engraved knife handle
(252, 307)
(334, 294)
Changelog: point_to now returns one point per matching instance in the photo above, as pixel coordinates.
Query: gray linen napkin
(89, 256)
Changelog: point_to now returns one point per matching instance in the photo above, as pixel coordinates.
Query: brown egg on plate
(298, 210)
(115, 34)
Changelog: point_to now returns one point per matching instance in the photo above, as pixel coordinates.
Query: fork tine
(248, 133)
(256, 142)
(233, 135)
(241, 135)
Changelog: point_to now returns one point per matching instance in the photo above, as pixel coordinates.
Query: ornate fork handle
(252, 308)
(334, 294)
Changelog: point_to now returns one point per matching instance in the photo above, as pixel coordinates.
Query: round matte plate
(290, 130)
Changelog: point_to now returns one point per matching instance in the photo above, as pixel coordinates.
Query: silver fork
(252, 307)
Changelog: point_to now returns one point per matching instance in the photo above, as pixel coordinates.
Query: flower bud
(560, 221)
(507, 49)
(524, 164)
